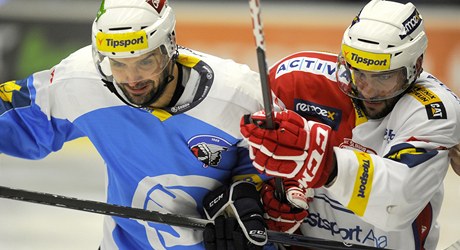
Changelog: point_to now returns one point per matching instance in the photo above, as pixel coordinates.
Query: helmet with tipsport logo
(382, 51)
(130, 28)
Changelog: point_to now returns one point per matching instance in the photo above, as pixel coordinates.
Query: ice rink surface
(77, 171)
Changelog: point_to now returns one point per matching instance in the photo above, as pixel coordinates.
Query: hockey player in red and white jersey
(368, 130)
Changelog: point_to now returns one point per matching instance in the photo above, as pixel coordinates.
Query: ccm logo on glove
(317, 151)
(216, 200)
(296, 149)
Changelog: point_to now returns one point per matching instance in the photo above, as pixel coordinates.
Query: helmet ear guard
(384, 36)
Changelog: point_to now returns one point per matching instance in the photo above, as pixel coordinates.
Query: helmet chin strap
(161, 89)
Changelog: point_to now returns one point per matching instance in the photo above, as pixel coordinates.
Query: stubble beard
(378, 114)
(143, 98)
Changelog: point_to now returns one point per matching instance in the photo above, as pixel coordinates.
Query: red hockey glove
(281, 216)
(296, 149)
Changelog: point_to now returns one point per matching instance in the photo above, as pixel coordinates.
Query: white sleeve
(384, 192)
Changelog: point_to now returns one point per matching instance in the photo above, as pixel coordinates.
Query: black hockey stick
(153, 216)
(258, 31)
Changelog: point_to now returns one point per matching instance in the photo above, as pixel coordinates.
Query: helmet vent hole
(120, 28)
(153, 32)
(398, 53)
(367, 41)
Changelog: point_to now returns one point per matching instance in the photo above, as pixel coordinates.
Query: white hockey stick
(258, 31)
(153, 216)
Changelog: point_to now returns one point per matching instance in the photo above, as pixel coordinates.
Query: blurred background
(36, 34)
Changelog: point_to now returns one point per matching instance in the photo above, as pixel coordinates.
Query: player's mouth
(139, 89)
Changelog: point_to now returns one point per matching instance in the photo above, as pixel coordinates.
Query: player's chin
(138, 99)
(376, 111)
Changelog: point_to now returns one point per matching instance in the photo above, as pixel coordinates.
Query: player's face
(139, 77)
(377, 91)
(374, 90)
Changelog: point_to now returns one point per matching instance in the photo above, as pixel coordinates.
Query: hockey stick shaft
(254, 7)
(153, 216)
(101, 208)
(258, 31)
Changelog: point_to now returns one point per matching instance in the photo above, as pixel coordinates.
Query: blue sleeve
(26, 131)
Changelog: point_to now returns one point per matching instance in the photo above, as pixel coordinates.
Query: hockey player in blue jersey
(164, 118)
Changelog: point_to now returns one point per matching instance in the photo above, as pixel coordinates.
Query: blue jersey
(161, 160)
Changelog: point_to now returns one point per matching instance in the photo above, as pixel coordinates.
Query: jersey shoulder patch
(434, 107)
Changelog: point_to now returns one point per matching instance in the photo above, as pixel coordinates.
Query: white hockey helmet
(386, 38)
(130, 28)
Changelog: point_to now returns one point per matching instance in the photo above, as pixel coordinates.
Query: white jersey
(389, 186)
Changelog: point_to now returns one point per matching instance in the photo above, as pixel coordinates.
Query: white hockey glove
(238, 218)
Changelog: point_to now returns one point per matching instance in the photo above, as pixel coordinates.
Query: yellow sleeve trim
(363, 184)
(7, 89)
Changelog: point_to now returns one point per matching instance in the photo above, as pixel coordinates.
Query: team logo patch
(328, 115)
(208, 149)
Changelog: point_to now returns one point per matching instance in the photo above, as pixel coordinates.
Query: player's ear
(418, 65)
